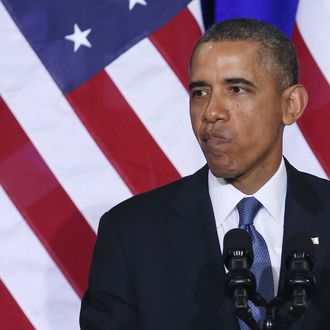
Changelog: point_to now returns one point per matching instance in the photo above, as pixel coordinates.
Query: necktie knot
(248, 208)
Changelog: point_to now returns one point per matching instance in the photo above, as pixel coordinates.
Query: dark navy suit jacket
(157, 263)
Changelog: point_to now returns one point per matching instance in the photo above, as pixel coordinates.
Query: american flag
(94, 109)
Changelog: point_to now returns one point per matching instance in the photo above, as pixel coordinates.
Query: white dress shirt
(269, 221)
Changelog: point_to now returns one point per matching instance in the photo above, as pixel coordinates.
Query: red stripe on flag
(11, 315)
(175, 41)
(43, 203)
(314, 124)
(120, 134)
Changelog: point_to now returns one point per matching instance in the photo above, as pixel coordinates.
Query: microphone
(240, 282)
(299, 282)
(237, 249)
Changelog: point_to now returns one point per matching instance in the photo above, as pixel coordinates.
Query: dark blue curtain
(280, 13)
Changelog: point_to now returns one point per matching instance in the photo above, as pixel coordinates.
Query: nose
(216, 109)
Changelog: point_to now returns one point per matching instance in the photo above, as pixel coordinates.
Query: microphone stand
(240, 286)
(260, 301)
(242, 309)
(299, 287)
(269, 322)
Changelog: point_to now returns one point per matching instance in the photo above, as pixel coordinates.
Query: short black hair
(274, 44)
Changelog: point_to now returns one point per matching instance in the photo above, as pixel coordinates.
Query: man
(158, 260)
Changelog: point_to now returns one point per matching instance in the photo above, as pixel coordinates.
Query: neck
(250, 183)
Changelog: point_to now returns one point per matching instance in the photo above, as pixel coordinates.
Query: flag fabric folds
(94, 109)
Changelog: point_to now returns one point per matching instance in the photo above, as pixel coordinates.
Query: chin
(225, 171)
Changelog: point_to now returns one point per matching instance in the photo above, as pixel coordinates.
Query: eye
(196, 93)
(237, 90)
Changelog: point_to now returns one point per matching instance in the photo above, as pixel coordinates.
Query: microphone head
(237, 242)
(299, 246)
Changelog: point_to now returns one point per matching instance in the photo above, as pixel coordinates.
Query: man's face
(236, 109)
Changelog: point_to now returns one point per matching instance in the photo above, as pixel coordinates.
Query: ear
(294, 102)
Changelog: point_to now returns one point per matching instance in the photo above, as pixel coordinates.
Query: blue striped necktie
(261, 267)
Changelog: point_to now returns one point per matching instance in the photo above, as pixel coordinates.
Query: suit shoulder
(298, 177)
(320, 183)
(153, 202)
(308, 189)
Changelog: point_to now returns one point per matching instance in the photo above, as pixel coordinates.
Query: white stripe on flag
(162, 104)
(297, 151)
(31, 276)
(313, 22)
(55, 130)
(196, 10)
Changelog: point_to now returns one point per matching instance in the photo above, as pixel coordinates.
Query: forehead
(248, 51)
(231, 58)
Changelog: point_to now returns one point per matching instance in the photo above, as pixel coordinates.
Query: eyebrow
(194, 84)
(227, 81)
(239, 81)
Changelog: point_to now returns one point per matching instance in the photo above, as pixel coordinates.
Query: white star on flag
(79, 38)
(132, 3)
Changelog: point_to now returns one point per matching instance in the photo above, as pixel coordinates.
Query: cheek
(249, 130)
(259, 132)
(259, 117)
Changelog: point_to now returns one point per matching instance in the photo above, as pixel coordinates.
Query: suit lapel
(193, 236)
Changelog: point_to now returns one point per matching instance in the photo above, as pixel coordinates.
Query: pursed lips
(215, 138)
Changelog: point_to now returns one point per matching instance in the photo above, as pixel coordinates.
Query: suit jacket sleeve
(109, 302)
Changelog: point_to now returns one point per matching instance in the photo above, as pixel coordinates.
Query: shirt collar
(225, 196)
